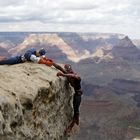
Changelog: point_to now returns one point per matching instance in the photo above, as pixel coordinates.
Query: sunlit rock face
(67, 46)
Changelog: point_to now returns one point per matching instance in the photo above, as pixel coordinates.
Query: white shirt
(34, 58)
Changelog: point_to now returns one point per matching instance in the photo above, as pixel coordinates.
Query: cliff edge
(34, 103)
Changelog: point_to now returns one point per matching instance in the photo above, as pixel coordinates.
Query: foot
(77, 121)
(69, 129)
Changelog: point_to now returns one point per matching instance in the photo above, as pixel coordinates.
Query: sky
(105, 16)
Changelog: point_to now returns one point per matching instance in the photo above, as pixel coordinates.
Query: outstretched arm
(59, 67)
(45, 61)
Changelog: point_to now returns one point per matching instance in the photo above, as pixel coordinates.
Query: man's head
(68, 68)
(41, 52)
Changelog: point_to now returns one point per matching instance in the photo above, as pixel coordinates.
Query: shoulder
(31, 50)
(77, 76)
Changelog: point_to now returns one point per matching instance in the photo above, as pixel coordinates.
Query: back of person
(28, 53)
(75, 83)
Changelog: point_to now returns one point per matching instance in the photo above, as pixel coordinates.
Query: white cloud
(122, 16)
(10, 2)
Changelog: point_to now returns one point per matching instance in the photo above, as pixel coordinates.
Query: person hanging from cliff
(75, 81)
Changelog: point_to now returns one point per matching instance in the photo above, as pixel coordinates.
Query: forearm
(59, 68)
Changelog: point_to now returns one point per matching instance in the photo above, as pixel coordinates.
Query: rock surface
(34, 103)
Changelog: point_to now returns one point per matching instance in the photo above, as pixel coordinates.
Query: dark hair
(42, 51)
(68, 67)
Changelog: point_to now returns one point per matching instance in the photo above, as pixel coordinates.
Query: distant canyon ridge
(62, 46)
(109, 65)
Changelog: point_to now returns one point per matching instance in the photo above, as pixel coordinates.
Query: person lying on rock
(39, 57)
(31, 55)
(75, 81)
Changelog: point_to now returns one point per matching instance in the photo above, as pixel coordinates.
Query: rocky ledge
(34, 103)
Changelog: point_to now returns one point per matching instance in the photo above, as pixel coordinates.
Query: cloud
(78, 14)
(10, 2)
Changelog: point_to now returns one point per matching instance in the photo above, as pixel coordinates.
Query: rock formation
(34, 103)
(63, 46)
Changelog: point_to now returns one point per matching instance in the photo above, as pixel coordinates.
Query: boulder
(34, 103)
